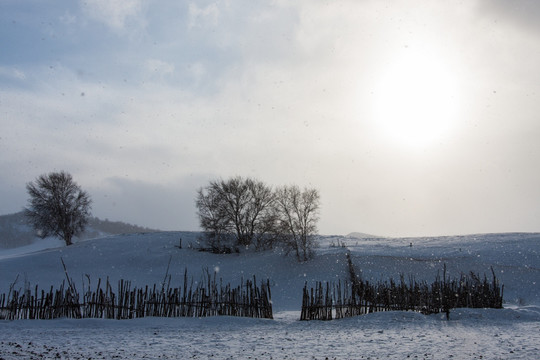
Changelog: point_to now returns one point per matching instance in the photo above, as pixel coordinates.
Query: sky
(411, 118)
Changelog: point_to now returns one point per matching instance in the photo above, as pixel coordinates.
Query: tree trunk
(67, 239)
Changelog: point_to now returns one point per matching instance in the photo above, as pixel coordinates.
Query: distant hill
(15, 231)
(359, 235)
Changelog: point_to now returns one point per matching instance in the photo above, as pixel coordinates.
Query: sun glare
(416, 100)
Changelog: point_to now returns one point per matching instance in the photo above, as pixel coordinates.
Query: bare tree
(213, 218)
(298, 213)
(234, 197)
(57, 206)
(250, 212)
(239, 208)
(259, 214)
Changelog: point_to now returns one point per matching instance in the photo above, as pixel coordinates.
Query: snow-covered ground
(511, 333)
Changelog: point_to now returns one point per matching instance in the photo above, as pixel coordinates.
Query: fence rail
(358, 297)
(209, 297)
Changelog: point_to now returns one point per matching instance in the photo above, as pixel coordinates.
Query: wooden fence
(358, 297)
(207, 298)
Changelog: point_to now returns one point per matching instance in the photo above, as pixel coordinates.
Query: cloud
(168, 206)
(279, 91)
(159, 69)
(521, 13)
(13, 195)
(203, 16)
(113, 13)
(68, 18)
(12, 73)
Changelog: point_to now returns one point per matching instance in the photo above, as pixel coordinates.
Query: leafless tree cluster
(244, 211)
(57, 206)
(298, 212)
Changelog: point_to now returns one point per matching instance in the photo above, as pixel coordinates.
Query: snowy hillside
(143, 259)
(15, 231)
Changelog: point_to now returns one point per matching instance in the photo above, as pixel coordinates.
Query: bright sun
(416, 101)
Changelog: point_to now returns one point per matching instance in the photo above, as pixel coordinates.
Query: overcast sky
(411, 117)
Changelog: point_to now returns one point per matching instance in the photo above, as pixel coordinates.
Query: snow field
(511, 333)
(475, 334)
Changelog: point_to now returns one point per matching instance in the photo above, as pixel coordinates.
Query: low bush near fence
(358, 297)
(208, 297)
